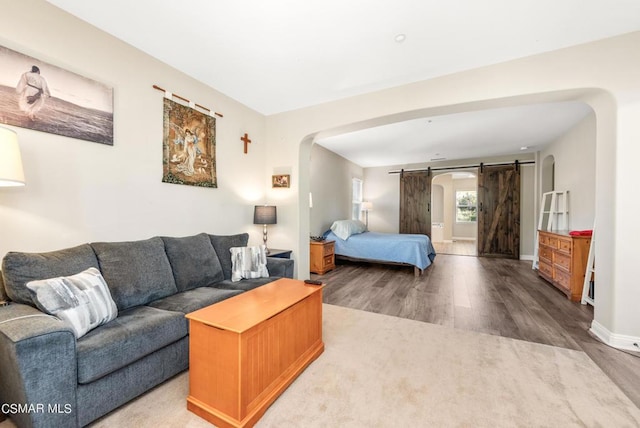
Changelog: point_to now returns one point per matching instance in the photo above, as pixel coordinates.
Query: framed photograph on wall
(280, 180)
(41, 96)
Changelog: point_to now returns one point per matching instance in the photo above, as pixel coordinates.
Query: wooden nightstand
(322, 258)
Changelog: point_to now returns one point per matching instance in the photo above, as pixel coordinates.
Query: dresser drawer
(545, 269)
(544, 239)
(545, 253)
(563, 260)
(564, 245)
(563, 279)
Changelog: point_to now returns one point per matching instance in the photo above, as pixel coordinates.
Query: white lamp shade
(367, 206)
(11, 173)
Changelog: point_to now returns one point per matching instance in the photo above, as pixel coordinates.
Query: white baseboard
(620, 341)
(527, 257)
(455, 238)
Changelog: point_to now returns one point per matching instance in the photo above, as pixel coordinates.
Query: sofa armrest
(280, 267)
(38, 375)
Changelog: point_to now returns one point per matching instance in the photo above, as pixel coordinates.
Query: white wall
(575, 164)
(78, 191)
(330, 177)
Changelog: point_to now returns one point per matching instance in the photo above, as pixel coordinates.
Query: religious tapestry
(189, 146)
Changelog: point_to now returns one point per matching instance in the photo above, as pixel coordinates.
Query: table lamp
(264, 215)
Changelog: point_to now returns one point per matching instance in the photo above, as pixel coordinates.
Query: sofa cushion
(223, 244)
(245, 284)
(249, 262)
(82, 300)
(137, 272)
(193, 260)
(19, 268)
(136, 332)
(192, 300)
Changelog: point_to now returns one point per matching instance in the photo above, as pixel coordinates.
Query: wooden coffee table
(246, 350)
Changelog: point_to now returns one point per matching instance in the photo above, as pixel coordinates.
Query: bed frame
(416, 270)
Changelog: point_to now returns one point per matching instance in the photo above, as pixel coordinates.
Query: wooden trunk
(244, 351)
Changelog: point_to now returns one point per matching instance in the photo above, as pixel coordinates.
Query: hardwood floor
(495, 296)
(460, 248)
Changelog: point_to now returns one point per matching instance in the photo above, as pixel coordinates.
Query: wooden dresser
(562, 260)
(322, 257)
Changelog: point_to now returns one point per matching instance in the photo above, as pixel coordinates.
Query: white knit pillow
(249, 262)
(82, 301)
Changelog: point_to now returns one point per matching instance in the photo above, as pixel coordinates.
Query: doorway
(454, 227)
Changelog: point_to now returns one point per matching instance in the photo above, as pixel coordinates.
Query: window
(466, 206)
(356, 198)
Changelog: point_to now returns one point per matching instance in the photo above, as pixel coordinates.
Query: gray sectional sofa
(48, 378)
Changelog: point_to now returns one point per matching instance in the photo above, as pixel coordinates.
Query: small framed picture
(282, 180)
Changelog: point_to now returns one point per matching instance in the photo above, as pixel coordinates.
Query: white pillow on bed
(343, 229)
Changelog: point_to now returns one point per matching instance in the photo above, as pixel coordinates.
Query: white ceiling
(484, 133)
(280, 55)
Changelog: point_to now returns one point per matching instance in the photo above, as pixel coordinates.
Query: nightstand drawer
(329, 249)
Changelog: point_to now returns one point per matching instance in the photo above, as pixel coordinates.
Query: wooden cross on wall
(246, 141)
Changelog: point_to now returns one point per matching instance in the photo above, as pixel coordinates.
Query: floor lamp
(264, 215)
(366, 207)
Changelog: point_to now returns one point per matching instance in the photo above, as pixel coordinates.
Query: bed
(395, 248)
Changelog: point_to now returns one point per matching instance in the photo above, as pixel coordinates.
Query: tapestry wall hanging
(189, 146)
(40, 96)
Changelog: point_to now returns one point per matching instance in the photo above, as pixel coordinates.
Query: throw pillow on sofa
(249, 262)
(82, 301)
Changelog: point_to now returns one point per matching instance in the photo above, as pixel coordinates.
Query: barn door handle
(480, 206)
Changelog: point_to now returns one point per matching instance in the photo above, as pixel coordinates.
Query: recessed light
(399, 38)
(524, 148)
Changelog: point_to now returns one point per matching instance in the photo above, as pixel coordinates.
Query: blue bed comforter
(415, 250)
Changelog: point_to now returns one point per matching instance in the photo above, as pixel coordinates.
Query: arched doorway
(454, 225)
(547, 174)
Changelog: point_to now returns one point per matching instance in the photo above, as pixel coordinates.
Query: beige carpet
(381, 371)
